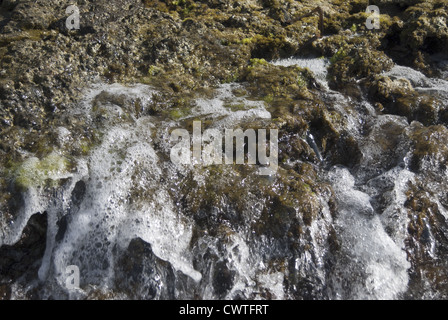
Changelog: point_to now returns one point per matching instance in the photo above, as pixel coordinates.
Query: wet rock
(399, 97)
(183, 48)
(430, 148)
(142, 275)
(222, 279)
(357, 61)
(9, 4)
(422, 33)
(426, 245)
(21, 261)
(385, 146)
(5, 292)
(32, 16)
(78, 193)
(286, 83)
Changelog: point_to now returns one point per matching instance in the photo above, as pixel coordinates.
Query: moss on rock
(47, 171)
(430, 147)
(357, 60)
(399, 97)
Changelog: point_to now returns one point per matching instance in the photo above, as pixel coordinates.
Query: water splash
(375, 265)
(127, 188)
(318, 66)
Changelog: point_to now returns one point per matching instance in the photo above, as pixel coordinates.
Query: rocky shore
(184, 50)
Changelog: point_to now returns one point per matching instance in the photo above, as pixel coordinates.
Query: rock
(222, 279)
(183, 49)
(142, 275)
(430, 148)
(399, 97)
(426, 245)
(5, 292)
(356, 61)
(21, 261)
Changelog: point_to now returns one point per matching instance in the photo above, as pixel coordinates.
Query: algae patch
(34, 172)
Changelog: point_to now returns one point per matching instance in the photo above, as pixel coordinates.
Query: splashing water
(317, 66)
(126, 188)
(376, 265)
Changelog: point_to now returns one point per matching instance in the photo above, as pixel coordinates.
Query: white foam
(395, 215)
(125, 166)
(419, 81)
(107, 217)
(377, 267)
(273, 282)
(317, 65)
(224, 117)
(35, 198)
(136, 91)
(107, 220)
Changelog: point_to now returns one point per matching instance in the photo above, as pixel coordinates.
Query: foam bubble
(375, 264)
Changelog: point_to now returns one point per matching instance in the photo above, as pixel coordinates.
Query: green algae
(179, 113)
(236, 107)
(257, 62)
(34, 172)
(340, 55)
(430, 144)
(31, 35)
(276, 82)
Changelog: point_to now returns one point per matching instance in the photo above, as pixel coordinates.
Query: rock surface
(184, 49)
